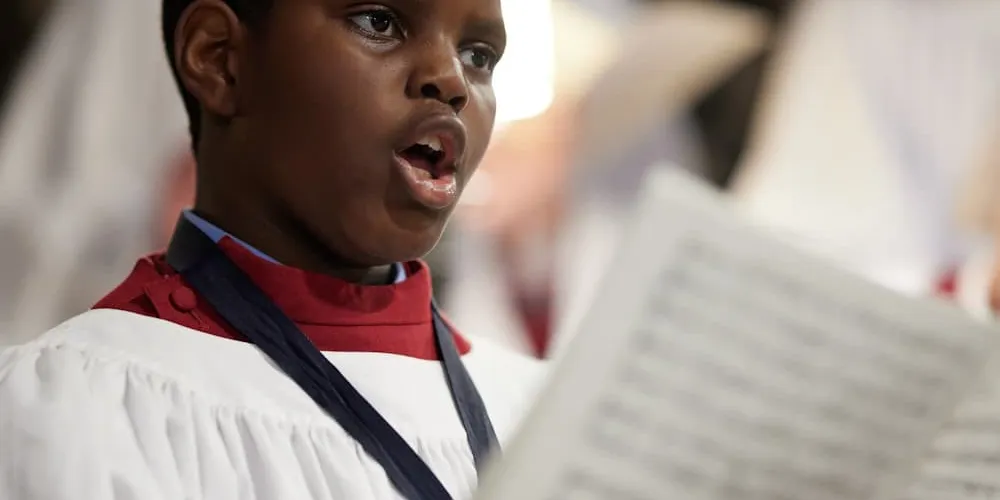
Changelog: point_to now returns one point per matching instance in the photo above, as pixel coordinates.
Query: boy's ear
(208, 41)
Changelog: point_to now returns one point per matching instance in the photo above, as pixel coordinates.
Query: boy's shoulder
(104, 350)
(138, 292)
(156, 290)
(99, 336)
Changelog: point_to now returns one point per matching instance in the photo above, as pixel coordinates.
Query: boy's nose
(440, 77)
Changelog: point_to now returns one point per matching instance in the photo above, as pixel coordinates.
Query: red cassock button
(183, 299)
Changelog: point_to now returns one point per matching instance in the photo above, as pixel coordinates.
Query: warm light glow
(525, 79)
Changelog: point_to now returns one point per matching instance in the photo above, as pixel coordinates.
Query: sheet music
(964, 461)
(718, 364)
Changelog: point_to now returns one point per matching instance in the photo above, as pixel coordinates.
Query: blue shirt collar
(216, 234)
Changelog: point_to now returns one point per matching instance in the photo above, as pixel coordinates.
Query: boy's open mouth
(427, 156)
(428, 166)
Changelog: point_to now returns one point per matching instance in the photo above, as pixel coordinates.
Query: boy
(333, 138)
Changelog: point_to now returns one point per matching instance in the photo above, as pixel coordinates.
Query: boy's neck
(223, 200)
(279, 243)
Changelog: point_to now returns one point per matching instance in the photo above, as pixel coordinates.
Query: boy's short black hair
(248, 11)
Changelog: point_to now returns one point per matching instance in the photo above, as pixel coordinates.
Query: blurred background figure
(657, 81)
(19, 19)
(505, 228)
(690, 110)
(862, 130)
(90, 122)
(846, 126)
(876, 114)
(974, 281)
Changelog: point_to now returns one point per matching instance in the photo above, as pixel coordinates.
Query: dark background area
(724, 115)
(19, 20)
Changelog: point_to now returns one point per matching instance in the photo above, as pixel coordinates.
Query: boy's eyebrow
(489, 29)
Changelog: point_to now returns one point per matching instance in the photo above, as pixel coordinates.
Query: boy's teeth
(431, 142)
(421, 174)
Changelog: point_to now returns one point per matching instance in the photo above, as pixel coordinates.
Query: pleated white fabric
(113, 405)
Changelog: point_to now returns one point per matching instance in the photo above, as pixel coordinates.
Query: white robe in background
(93, 122)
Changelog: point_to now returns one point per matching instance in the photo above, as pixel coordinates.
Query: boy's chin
(402, 247)
(416, 247)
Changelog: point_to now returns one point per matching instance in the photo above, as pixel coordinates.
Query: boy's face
(331, 101)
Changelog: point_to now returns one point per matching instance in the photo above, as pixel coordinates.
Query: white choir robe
(113, 405)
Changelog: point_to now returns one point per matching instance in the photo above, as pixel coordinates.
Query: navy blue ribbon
(247, 309)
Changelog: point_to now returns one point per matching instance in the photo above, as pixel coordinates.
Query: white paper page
(718, 364)
(964, 461)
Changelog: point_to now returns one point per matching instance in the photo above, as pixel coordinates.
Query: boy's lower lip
(436, 194)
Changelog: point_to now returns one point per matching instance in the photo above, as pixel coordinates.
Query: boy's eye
(479, 58)
(378, 23)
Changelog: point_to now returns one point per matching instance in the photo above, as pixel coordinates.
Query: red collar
(319, 299)
(335, 314)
